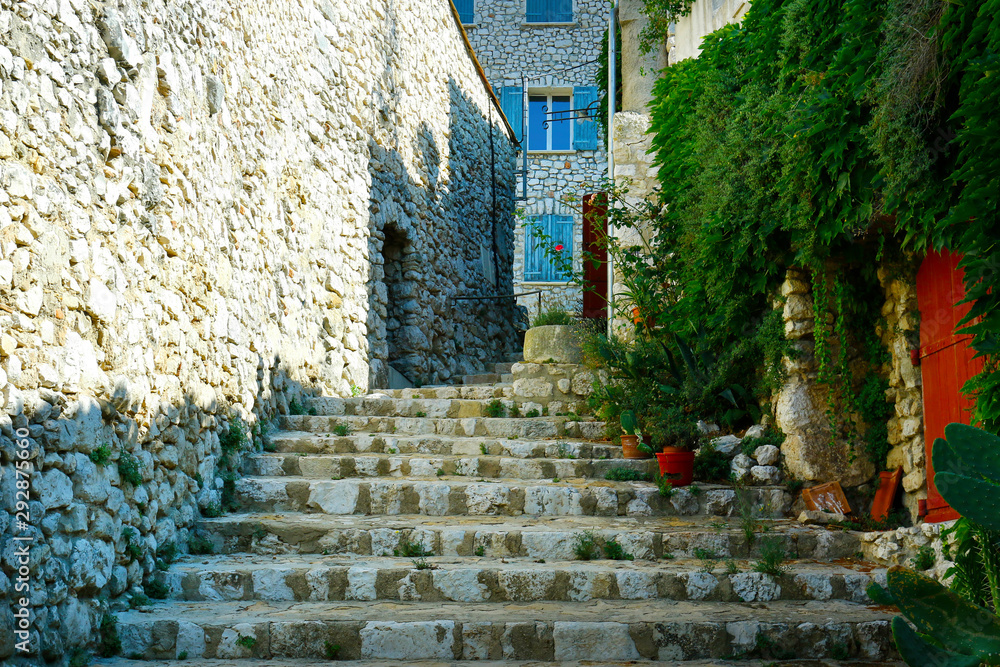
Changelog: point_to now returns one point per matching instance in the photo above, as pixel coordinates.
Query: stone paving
(411, 527)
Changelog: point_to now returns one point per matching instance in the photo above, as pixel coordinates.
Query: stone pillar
(639, 71)
(800, 406)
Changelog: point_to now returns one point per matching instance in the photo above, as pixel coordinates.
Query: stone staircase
(500, 373)
(409, 527)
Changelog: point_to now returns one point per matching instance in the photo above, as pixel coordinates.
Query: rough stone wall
(550, 56)
(906, 427)
(194, 198)
(706, 16)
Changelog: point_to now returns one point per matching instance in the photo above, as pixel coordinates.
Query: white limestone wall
(194, 198)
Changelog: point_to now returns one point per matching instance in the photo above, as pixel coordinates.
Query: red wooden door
(946, 360)
(595, 266)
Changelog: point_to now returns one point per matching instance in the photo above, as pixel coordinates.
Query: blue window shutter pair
(539, 266)
(512, 103)
(549, 11)
(585, 132)
(466, 10)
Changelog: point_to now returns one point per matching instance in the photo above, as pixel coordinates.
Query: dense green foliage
(834, 136)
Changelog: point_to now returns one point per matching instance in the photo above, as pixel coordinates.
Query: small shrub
(166, 554)
(155, 590)
(545, 411)
(480, 550)
(212, 510)
(440, 472)
(731, 566)
(421, 413)
(623, 474)
(772, 557)
(129, 468)
(234, 438)
(483, 450)
(101, 455)
(421, 564)
(139, 600)
(531, 414)
(495, 408)
(200, 546)
(586, 547)
(664, 486)
(550, 317)
(246, 642)
(408, 549)
(330, 650)
(229, 503)
(707, 557)
(341, 429)
(110, 644)
(771, 436)
(711, 465)
(183, 655)
(515, 410)
(132, 548)
(925, 558)
(615, 551)
(79, 658)
(259, 531)
(295, 408)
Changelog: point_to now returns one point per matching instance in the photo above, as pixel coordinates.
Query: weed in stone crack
(732, 567)
(840, 650)
(719, 526)
(772, 557)
(183, 655)
(330, 650)
(341, 429)
(563, 451)
(480, 551)
(515, 410)
(667, 556)
(623, 474)
(200, 546)
(555, 479)
(440, 472)
(295, 407)
(132, 548)
(392, 450)
(707, 558)
(531, 414)
(246, 642)
(166, 554)
(79, 658)
(101, 455)
(408, 549)
(483, 449)
(495, 408)
(615, 551)
(259, 531)
(421, 413)
(422, 564)
(586, 547)
(110, 643)
(925, 558)
(664, 486)
(129, 468)
(139, 600)
(156, 590)
(234, 438)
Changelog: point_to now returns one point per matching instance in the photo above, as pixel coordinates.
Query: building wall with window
(554, 45)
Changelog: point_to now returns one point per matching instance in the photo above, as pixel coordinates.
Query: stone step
(460, 496)
(315, 578)
(441, 445)
(324, 662)
(481, 378)
(600, 630)
(340, 466)
(499, 427)
(516, 537)
(435, 408)
(504, 367)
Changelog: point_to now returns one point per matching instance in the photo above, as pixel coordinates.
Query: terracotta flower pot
(676, 465)
(630, 447)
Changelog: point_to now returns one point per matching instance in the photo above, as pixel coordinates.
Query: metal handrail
(539, 292)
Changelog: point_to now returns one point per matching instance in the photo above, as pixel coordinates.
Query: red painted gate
(595, 269)
(946, 360)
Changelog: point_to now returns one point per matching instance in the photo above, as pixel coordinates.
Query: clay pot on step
(630, 447)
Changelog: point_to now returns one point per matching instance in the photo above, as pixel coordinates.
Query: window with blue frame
(553, 232)
(466, 10)
(549, 124)
(549, 11)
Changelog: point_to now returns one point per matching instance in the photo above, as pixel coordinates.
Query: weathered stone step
(513, 537)
(339, 466)
(455, 408)
(600, 630)
(481, 378)
(495, 427)
(441, 445)
(125, 662)
(483, 579)
(460, 496)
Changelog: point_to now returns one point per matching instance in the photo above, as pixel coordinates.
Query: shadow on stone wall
(117, 482)
(436, 235)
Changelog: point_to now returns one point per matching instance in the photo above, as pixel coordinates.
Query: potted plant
(674, 437)
(631, 449)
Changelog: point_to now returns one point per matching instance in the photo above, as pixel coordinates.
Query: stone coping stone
(499, 427)
(601, 629)
(314, 443)
(124, 662)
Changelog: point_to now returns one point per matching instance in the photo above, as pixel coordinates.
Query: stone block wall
(207, 209)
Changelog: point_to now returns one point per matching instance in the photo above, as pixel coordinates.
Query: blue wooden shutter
(562, 11)
(584, 129)
(466, 10)
(535, 11)
(512, 103)
(535, 261)
(549, 11)
(562, 234)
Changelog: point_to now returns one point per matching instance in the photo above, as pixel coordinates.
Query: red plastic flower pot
(676, 465)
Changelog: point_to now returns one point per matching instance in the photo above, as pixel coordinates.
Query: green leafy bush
(200, 546)
(495, 408)
(101, 455)
(155, 589)
(623, 474)
(129, 468)
(586, 546)
(109, 643)
(551, 316)
(711, 465)
(615, 551)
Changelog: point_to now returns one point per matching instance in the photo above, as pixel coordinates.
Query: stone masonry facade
(553, 58)
(210, 210)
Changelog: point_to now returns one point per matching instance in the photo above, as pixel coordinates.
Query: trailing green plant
(295, 407)
(101, 455)
(109, 643)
